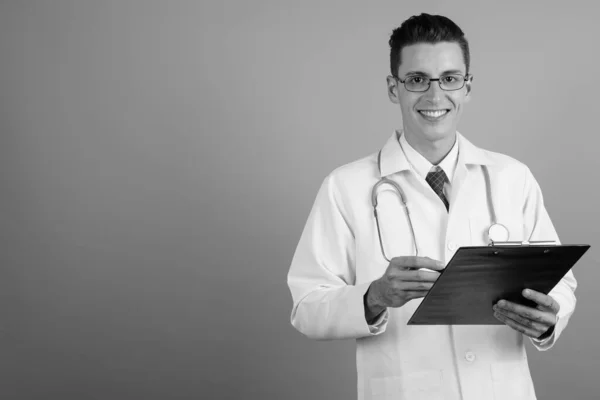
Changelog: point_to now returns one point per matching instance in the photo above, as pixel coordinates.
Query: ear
(468, 84)
(392, 88)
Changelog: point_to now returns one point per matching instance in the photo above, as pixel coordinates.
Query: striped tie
(436, 179)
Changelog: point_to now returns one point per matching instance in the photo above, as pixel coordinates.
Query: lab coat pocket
(511, 381)
(419, 385)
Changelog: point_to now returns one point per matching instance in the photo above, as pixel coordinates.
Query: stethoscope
(496, 232)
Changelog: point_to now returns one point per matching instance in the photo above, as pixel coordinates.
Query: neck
(433, 151)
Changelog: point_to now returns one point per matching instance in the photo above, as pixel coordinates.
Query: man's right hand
(402, 281)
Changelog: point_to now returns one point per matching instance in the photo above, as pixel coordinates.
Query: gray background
(159, 160)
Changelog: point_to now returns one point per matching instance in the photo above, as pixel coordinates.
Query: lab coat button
(451, 245)
(470, 356)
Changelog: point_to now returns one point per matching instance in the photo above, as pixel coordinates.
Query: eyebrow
(448, 72)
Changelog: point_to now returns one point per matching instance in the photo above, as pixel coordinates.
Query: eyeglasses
(447, 82)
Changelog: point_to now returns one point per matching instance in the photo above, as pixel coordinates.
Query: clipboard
(478, 277)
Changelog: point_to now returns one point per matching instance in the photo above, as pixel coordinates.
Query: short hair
(426, 28)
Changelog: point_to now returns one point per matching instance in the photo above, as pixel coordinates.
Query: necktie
(436, 179)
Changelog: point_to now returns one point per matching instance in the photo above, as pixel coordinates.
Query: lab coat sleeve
(327, 304)
(538, 226)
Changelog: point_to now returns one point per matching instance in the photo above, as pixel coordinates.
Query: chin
(432, 132)
(435, 134)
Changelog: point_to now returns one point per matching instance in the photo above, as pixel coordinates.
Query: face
(430, 116)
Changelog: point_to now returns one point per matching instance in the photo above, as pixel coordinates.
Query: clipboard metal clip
(524, 243)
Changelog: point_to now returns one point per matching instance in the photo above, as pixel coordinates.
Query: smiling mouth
(434, 114)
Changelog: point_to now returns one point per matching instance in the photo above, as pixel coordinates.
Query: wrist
(373, 303)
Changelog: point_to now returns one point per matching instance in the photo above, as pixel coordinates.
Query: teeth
(433, 114)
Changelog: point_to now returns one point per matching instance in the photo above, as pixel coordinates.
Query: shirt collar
(393, 159)
(422, 166)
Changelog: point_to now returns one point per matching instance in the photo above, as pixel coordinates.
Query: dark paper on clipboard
(477, 277)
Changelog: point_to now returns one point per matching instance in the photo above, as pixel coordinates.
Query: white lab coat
(339, 255)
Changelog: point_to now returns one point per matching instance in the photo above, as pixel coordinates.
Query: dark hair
(426, 28)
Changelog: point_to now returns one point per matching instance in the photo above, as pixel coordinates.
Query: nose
(435, 92)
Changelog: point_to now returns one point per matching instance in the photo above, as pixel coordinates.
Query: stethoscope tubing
(387, 181)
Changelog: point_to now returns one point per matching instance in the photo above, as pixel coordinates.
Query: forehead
(431, 59)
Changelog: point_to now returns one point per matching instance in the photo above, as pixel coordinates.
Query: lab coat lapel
(464, 184)
(462, 187)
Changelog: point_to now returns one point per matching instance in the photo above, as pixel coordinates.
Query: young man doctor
(343, 287)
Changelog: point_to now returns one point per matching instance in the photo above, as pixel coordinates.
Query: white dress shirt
(421, 166)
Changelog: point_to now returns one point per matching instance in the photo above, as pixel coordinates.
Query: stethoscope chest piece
(498, 233)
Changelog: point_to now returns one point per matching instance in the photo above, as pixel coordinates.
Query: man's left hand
(533, 322)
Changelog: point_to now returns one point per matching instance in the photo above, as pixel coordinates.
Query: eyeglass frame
(467, 78)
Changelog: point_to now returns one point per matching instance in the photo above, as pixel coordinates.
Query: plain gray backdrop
(159, 160)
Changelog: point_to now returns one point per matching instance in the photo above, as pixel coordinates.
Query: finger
(515, 325)
(429, 263)
(415, 294)
(404, 262)
(417, 262)
(412, 286)
(542, 299)
(530, 313)
(526, 322)
(419, 276)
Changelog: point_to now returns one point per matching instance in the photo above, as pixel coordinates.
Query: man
(343, 287)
